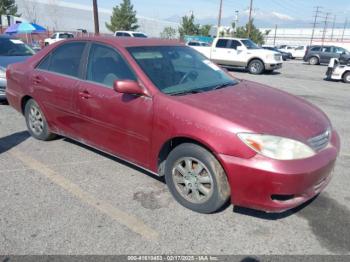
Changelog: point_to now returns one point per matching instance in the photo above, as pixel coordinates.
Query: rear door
(326, 54)
(221, 52)
(54, 82)
(120, 124)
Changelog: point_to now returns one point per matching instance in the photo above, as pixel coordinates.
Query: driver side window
(105, 65)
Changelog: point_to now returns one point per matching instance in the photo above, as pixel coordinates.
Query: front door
(119, 124)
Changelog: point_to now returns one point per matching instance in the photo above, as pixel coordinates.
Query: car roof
(129, 42)
(130, 32)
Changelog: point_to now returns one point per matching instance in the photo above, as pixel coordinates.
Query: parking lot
(61, 197)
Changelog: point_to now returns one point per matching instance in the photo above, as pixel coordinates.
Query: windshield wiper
(223, 85)
(184, 92)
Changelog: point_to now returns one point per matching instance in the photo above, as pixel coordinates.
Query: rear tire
(36, 122)
(196, 179)
(346, 78)
(314, 60)
(256, 67)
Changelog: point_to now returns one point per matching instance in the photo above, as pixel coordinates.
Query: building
(64, 16)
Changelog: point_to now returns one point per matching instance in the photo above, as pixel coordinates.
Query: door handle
(85, 94)
(37, 80)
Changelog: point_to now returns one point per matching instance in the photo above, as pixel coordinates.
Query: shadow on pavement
(271, 216)
(120, 161)
(10, 141)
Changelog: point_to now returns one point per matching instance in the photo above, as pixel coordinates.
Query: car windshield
(139, 35)
(177, 70)
(14, 47)
(250, 44)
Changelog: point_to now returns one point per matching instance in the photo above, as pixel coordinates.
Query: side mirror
(128, 87)
(240, 48)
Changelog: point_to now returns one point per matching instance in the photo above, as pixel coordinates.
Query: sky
(282, 9)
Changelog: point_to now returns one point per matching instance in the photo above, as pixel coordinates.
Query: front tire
(36, 122)
(346, 78)
(196, 179)
(256, 67)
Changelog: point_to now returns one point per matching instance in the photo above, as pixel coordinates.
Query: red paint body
(135, 128)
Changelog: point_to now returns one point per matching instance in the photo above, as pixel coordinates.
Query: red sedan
(166, 108)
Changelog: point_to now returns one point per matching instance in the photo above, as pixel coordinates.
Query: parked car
(166, 108)
(197, 43)
(11, 51)
(243, 53)
(299, 52)
(318, 54)
(56, 37)
(337, 71)
(285, 55)
(130, 34)
(286, 48)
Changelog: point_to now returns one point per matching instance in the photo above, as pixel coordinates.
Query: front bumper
(2, 88)
(275, 186)
(273, 66)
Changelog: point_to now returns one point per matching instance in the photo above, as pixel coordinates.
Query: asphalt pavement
(60, 197)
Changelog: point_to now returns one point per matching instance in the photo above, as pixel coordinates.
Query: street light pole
(96, 21)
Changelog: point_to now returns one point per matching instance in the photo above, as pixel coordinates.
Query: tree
(8, 7)
(205, 30)
(188, 27)
(123, 17)
(255, 34)
(168, 33)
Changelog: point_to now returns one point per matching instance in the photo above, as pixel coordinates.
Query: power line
(316, 16)
(325, 27)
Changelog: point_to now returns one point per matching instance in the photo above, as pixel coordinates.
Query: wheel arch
(347, 71)
(24, 101)
(255, 58)
(173, 142)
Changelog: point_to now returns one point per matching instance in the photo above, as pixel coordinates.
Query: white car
(130, 34)
(241, 52)
(299, 52)
(59, 36)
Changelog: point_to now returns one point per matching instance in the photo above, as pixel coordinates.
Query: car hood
(252, 107)
(7, 60)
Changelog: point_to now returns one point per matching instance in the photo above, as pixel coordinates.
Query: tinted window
(222, 43)
(139, 35)
(316, 49)
(193, 44)
(119, 34)
(65, 59)
(14, 47)
(106, 65)
(126, 35)
(327, 49)
(339, 50)
(65, 36)
(234, 44)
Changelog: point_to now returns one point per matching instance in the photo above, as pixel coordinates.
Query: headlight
(2, 72)
(275, 147)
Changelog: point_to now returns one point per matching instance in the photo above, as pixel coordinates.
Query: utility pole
(250, 18)
(274, 38)
(219, 18)
(317, 12)
(334, 19)
(345, 25)
(96, 21)
(325, 27)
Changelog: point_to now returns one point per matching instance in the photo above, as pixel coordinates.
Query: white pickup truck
(239, 52)
(59, 36)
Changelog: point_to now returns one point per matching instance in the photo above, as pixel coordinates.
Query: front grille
(319, 142)
(278, 57)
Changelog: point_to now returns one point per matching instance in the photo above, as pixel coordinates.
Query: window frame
(85, 62)
(49, 56)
